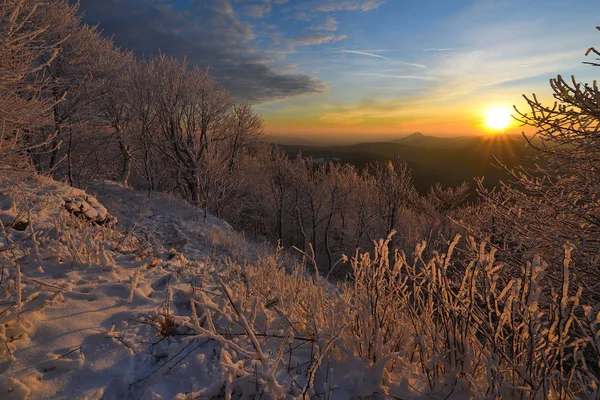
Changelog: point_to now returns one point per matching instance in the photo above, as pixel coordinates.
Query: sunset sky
(367, 69)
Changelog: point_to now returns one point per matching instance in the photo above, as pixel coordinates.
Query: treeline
(330, 209)
(519, 295)
(75, 106)
(86, 108)
(78, 107)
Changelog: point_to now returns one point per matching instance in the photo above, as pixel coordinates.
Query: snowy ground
(162, 306)
(81, 332)
(168, 304)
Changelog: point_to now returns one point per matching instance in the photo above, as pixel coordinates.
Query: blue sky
(366, 67)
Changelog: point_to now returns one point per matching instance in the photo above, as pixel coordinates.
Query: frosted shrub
(479, 330)
(375, 333)
(450, 325)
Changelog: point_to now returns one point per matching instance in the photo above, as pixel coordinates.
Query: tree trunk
(55, 146)
(194, 186)
(127, 160)
(57, 131)
(280, 219)
(301, 225)
(70, 158)
(148, 163)
(328, 249)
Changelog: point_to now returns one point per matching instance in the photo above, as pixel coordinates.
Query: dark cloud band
(209, 33)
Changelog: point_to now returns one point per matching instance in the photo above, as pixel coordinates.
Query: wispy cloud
(257, 10)
(303, 16)
(364, 111)
(310, 39)
(362, 53)
(330, 24)
(411, 64)
(346, 5)
(439, 49)
(390, 76)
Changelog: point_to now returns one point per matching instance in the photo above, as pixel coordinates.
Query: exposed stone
(90, 209)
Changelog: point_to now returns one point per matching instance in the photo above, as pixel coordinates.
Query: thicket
(74, 106)
(87, 110)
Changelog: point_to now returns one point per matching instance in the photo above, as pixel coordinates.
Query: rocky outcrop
(90, 209)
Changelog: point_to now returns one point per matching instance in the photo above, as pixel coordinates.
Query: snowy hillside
(159, 308)
(93, 300)
(165, 304)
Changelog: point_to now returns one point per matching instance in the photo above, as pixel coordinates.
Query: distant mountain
(449, 161)
(296, 140)
(418, 139)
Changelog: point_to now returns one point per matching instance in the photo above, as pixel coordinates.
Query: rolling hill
(449, 161)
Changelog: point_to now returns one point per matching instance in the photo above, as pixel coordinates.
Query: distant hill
(418, 139)
(449, 161)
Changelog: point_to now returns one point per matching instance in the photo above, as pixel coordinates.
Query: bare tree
(394, 188)
(278, 168)
(243, 130)
(118, 107)
(142, 102)
(23, 53)
(558, 199)
(191, 110)
(75, 79)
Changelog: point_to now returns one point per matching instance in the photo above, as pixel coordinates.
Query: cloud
(362, 53)
(257, 10)
(439, 49)
(394, 110)
(210, 34)
(391, 76)
(470, 72)
(303, 16)
(330, 24)
(409, 64)
(310, 39)
(412, 64)
(346, 5)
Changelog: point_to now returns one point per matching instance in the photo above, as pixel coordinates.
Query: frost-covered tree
(116, 108)
(395, 188)
(243, 129)
(559, 199)
(190, 108)
(23, 54)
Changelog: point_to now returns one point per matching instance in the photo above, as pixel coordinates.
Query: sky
(367, 69)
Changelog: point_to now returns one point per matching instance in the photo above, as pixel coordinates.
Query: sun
(498, 118)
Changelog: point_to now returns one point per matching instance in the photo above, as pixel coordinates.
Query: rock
(90, 209)
(100, 209)
(77, 205)
(91, 214)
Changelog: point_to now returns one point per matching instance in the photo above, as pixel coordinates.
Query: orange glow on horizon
(381, 124)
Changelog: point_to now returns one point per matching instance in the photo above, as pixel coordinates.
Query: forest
(493, 296)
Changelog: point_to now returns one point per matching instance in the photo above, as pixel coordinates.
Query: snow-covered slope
(161, 219)
(82, 319)
(164, 305)
(168, 304)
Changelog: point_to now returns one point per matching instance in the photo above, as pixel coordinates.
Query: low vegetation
(498, 298)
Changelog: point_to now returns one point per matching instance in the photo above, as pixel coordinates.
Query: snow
(77, 335)
(162, 306)
(170, 303)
